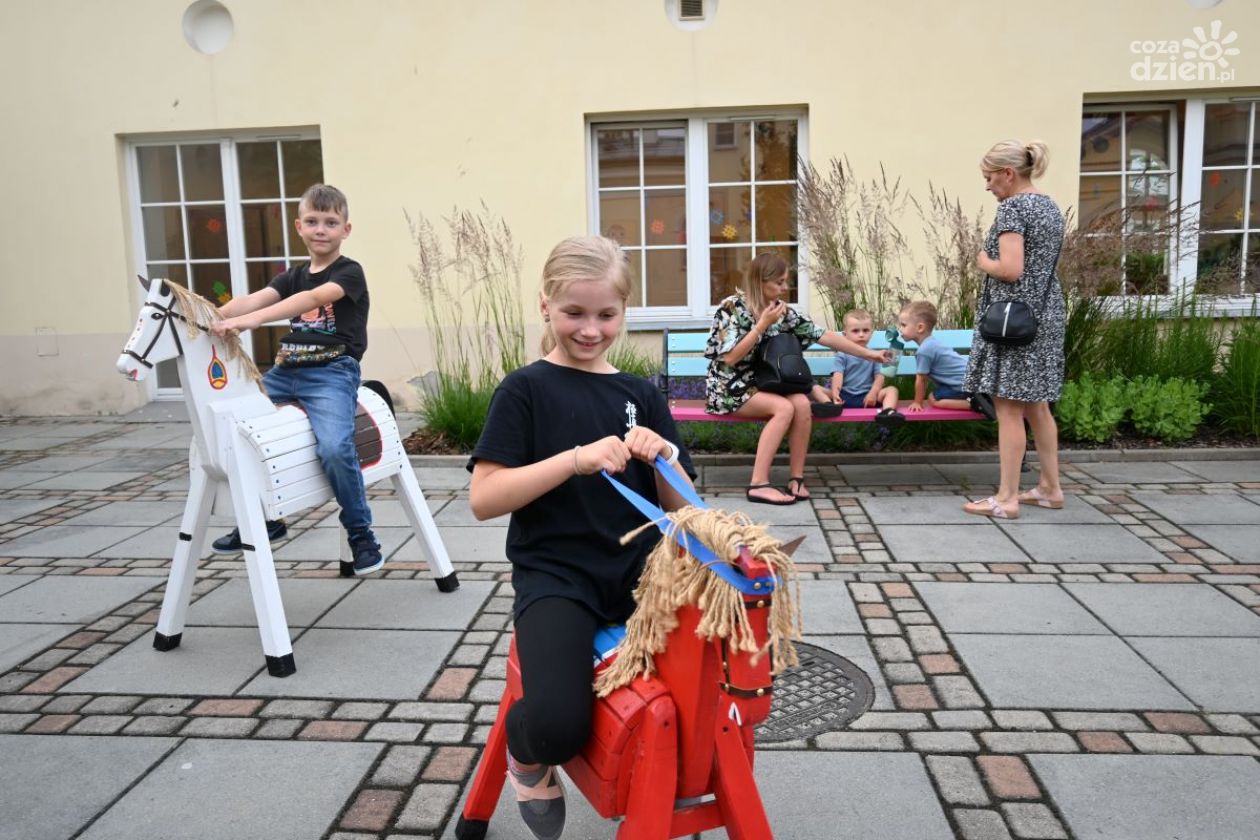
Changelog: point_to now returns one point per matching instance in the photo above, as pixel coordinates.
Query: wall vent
(691, 10)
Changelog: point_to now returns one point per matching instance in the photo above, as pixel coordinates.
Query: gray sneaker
(540, 798)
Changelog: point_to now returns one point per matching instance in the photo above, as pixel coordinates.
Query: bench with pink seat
(683, 358)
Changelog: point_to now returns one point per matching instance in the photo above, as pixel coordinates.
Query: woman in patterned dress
(1019, 257)
(739, 324)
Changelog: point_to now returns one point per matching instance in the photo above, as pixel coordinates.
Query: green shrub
(1091, 409)
(1169, 409)
(1188, 344)
(457, 409)
(628, 357)
(1236, 391)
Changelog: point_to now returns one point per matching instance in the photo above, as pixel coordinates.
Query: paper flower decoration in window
(716, 216)
(658, 227)
(221, 293)
(214, 225)
(1214, 179)
(1238, 215)
(729, 233)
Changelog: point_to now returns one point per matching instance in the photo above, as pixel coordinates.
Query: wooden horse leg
(408, 490)
(192, 538)
(734, 786)
(263, 586)
(654, 779)
(487, 784)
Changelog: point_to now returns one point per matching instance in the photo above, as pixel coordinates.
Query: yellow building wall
(424, 105)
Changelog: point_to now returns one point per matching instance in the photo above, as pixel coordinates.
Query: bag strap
(720, 567)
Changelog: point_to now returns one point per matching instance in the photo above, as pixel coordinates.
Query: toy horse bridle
(164, 314)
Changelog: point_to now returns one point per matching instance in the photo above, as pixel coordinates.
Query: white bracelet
(575, 465)
(673, 453)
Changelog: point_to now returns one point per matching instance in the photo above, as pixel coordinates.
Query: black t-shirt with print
(565, 542)
(344, 321)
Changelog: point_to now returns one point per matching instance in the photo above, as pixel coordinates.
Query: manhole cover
(824, 693)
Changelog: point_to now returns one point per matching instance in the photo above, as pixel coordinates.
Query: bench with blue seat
(683, 358)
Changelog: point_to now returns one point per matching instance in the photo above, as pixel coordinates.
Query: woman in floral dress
(1019, 257)
(740, 323)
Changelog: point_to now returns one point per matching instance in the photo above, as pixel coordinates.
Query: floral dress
(1034, 372)
(727, 388)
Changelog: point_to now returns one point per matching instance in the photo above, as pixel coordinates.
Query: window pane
(1148, 202)
(726, 271)
(1251, 277)
(264, 234)
(1146, 135)
(169, 271)
(729, 214)
(303, 165)
(1100, 143)
(619, 217)
(636, 277)
(1221, 206)
(260, 170)
(159, 176)
(667, 277)
(1220, 255)
(203, 172)
(207, 232)
(1225, 134)
(618, 157)
(259, 274)
(664, 156)
(666, 218)
(1100, 202)
(213, 281)
(266, 342)
(296, 246)
(728, 152)
(776, 213)
(163, 233)
(776, 150)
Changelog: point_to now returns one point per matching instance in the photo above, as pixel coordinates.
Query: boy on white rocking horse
(317, 366)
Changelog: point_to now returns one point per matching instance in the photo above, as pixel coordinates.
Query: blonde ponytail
(1029, 160)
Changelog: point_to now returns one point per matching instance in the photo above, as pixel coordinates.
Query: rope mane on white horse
(673, 578)
(197, 311)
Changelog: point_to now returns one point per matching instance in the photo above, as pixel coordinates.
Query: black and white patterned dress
(1033, 373)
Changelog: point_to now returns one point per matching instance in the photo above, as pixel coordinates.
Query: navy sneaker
(983, 403)
(540, 799)
(366, 552)
(230, 543)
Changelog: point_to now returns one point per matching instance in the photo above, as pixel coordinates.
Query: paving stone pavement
(1089, 672)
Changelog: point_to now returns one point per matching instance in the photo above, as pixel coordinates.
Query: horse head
(156, 334)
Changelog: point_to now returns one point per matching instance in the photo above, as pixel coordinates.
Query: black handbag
(1012, 323)
(780, 368)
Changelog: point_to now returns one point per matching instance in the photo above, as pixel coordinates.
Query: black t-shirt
(344, 321)
(565, 542)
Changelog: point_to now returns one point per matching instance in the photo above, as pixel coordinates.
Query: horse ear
(143, 282)
(163, 289)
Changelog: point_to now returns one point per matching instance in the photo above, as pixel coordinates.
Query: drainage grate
(824, 693)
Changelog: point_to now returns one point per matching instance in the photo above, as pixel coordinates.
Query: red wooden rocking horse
(673, 751)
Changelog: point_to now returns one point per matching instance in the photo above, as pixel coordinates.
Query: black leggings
(551, 723)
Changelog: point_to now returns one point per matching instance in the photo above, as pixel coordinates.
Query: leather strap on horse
(735, 690)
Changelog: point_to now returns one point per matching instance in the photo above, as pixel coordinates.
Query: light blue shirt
(940, 363)
(859, 374)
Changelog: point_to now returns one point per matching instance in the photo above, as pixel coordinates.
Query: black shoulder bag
(779, 367)
(1012, 323)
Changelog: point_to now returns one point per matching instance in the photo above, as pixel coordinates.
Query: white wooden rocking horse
(263, 454)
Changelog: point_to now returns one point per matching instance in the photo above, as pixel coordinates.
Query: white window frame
(698, 312)
(233, 206)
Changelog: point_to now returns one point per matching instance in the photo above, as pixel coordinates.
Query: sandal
(826, 409)
(541, 803)
(889, 418)
(761, 500)
(991, 508)
(1035, 497)
(800, 485)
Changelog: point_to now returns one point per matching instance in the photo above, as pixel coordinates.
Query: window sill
(1235, 306)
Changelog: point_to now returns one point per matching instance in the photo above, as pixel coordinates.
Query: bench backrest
(684, 352)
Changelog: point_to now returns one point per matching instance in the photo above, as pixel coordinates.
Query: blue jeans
(329, 396)
(946, 392)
